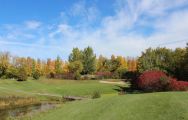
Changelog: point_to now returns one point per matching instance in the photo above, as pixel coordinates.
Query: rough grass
(152, 106)
(14, 101)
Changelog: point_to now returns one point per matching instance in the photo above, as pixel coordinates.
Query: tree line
(172, 62)
(85, 63)
(80, 62)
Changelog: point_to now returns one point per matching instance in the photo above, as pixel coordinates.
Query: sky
(47, 28)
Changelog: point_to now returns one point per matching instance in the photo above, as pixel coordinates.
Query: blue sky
(47, 28)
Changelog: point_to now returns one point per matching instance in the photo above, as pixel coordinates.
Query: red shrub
(178, 85)
(159, 81)
(153, 81)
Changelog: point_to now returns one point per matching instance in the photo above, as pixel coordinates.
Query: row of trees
(172, 62)
(85, 62)
(80, 62)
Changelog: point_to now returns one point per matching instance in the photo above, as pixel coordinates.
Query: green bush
(22, 74)
(36, 74)
(11, 72)
(120, 73)
(77, 76)
(96, 94)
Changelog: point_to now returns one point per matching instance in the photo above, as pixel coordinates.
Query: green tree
(12, 72)
(21, 66)
(22, 73)
(75, 67)
(36, 74)
(178, 63)
(103, 64)
(156, 59)
(185, 65)
(167, 60)
(4, 62)
(76, 55)
(33, 68)
(58, 65)
(89, 61)
(115, 63)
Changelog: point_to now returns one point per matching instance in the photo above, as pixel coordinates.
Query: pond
(26, 110)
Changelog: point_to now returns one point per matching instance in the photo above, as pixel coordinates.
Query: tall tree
(76, 55)
(159, 59)
(49, 67)
(177, 63)
(88, 60)
(29, 66)
(185, 65)
(4, 62)
(58, 65)
(65, 67)
(102, 64)
(115, 63)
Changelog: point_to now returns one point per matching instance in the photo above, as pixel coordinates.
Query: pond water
(26, 110)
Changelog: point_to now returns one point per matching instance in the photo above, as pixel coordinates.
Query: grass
(150, 106)
(57, 87)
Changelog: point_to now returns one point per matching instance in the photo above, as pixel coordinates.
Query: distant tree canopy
(84, 62)
(79, 62)
(166, 60)
(85, 58)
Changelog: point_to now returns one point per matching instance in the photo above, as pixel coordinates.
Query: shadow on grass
(126, 90)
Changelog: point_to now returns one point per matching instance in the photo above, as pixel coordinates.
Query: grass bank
(150, 106)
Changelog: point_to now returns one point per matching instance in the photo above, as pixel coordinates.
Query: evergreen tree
(88, 61)
(58, 65)
(76, 55)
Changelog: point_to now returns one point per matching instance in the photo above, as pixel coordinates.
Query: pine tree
(58, 65)
(88, 61)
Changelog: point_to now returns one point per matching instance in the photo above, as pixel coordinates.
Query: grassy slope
(153, 106)
(59, 87)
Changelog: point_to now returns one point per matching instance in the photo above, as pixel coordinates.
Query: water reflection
(26, 110)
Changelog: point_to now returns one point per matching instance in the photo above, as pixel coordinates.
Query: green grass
(57, 87)
(152, 106)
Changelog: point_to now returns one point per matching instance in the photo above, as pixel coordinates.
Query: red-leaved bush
(178, 85)
(158, 81)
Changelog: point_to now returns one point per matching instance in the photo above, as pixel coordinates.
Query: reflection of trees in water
(20, 111)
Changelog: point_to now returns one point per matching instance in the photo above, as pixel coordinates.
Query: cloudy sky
(47, 28)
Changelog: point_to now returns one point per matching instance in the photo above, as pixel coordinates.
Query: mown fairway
(152, 106)
(54, 87)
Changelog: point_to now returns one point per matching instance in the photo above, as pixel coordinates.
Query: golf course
(110, 106)
(93, 59)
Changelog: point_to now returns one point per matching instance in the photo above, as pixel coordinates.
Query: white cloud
(32, 24)
(117, 34)
(87, 13)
